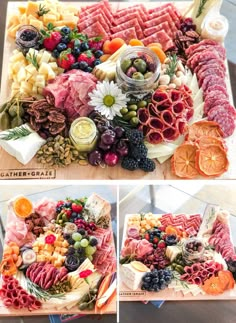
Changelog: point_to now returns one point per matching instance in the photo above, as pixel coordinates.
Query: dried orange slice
(22, 207)
(184, 160)
(212, 160)
(208, 140)
(159, 52)
(204, 128)
(135, 42)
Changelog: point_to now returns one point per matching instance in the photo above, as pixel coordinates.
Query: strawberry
(96, 43)
(59, 203)
(162, 228)
(161, 244)
(66, 59)
(146, 236)
(155, 240)
(87, 57)
(52, 40)
(73, 43)
(77, 208)
(68, 213)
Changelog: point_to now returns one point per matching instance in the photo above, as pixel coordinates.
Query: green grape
(77, 245)
(84, 243)
(76, 236)
(89, 250)
(90, 258)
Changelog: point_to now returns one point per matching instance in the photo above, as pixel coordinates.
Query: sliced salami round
(221, 106)
(216, 87)
(219, 62)
(210, 100)
(226, 123)
(204, 56)
(211, 71)
(191, 48)
(211, 80)
(205, 67)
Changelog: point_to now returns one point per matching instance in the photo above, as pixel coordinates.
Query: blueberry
(83, 65)
(89, 69)
(74, 215)
(81, 231)
(55, 53)
(96, 62)
(76, 51)
(68, 204)
(65, 39)
(84, 46)
(155, 280)
(65, 30)
(162, 286)
(98, 53)
(61, 47)
(147, 279)
(156, 287)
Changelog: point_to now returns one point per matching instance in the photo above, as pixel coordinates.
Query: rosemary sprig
(201, 7)
(39, 292)
(16, 133)
(32, 58)
(172, 65)
(42, 10)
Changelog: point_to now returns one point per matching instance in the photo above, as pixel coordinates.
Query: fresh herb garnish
(16, 133)
(42, 10)
(41, 293)
(172, 65)
(32, 58)
(201, 7)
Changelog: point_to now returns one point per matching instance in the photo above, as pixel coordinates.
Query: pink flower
(85, 273)
(50, 239)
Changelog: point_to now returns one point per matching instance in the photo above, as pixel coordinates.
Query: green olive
(4, 121)
(142, 104)
(91, 306)
(85, 298)
(147, 75)
(138, 76)
(16, 122)
(13, 111)
(64, 217)
(132, 107)
(125, 64)
(140, 65)
(94, 291)
(134, 121)
(129, 115)
(83, 306)
(124, 111)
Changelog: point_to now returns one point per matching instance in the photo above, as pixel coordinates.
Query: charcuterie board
(12, 169)
(181, 271)
(52, 262)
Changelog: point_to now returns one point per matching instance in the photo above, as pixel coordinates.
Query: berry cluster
(156, 280)
(69, 210)
(84, 225)
(156, 236)
(72, 49)
(187, 24)
(137, 157)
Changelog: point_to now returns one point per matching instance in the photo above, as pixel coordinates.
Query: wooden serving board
(4, 311)
(127, 295)
(10, 168)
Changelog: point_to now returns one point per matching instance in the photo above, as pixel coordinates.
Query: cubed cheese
(45, 57)
(36, 23)
(21, 75)
(49, 18)
(32, 8)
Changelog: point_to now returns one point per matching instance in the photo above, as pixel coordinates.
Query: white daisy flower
(108, 99)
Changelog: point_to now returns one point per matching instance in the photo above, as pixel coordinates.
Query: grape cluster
(156, 280)
(157, 260)
(111, 145)
(87, 226)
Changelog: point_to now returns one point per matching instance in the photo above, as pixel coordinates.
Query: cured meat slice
(226, 123)
(210, 80)
(163, 26)
(170, 133)
(168, 9)
(204, 56)
(126, 34)
(211, 71)
(217, 87)
(159, 20)
(131, 23)
(210, 100)
(205, 67)
(128, 17)
(100, 18)
(221, 105)
(154, 136)
(156, 123)
(219, 49)
(181, 125)
(160, 37)
(217, 61)
(130, 10)
(95, 30)
(143, 115)
(167, 117)
(191, 48)
(102, 6)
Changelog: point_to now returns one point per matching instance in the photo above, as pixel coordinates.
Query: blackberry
(138, 151)
(147, 165)
(129, 163)
(135, 136)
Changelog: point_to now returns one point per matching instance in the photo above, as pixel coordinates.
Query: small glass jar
(27, 37)
(215, 27)
(128, 84)
(194, 254)
(83, 134)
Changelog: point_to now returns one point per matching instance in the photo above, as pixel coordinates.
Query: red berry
(59, 203)
(68, 213)
(77, 208)
(155, 240)
(52, 41)
(161, 244)
(66, 59)
(146, 236)
(87, 57)
(95, 43)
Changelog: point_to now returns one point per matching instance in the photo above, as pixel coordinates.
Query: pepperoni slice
(183, 161)
(212, 160)
(226, 123)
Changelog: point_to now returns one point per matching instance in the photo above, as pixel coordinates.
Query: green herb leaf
(42, 10)
(201, 7)
(16, 133)
(41, 293)
(32, 58)
(172, 65)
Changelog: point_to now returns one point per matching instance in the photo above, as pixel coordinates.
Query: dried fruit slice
(184, 160)
(208, 140)
(211, 160)
(212, 286)
(139, 266)
(204, 128)
(22, 207)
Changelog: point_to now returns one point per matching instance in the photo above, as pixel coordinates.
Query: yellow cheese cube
(49, 18)
(23, 19)
(67, 17)
(63, 251)
(11, 32)
(43, 69)
(21, 9)
(40, 90)
(21, 75)
(36, 249)
(34, 89)
(14, 20)
(53, 66)
(32, 8)
(36, 23)
(25, 87)
(58, 249)
(45, 57)
(31, 69)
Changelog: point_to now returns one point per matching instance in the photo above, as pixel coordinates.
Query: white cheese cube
(45, 57)
(31, 68)
(21, 75)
